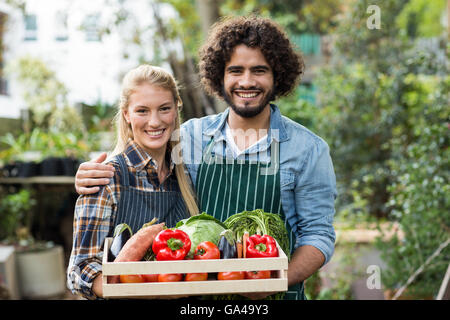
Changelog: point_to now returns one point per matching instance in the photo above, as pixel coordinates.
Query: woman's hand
(92, 174)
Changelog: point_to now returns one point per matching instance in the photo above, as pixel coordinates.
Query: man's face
(248, 81)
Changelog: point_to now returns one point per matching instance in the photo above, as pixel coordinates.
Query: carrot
(244, 244)
(136, 247)
(239, 248)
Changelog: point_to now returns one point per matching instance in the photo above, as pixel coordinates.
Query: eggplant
(226, 245)
(122, 233)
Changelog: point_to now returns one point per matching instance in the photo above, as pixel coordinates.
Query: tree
(45, 96)
(167, 38)
(209, 13)
(296, 16)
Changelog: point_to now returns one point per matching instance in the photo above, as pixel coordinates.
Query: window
(30, 27)
(91, 27)
(61, 29)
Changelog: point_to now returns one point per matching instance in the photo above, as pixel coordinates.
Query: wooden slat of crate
(191, 288)
(150, 289)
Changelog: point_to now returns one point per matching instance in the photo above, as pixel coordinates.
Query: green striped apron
(228, 186)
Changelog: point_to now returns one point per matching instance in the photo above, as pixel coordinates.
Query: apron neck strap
(123, 170)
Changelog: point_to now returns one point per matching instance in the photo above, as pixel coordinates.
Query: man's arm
(304, 262)
(315, 194)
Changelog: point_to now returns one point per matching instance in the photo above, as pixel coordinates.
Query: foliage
(421, 18)
(363, 106)
(382, 103)
(15, 209)
(44, 144)
(16, 221)
(339, 276)
(358, 112)
(307, 16)
(56, 128)
(379, 49)
(420, 195)
(186, 26)
(299, 109)
(44, 94)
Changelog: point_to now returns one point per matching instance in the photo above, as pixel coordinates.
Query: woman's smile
(155, 133)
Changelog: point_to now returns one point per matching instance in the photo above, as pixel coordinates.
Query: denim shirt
(308, 182)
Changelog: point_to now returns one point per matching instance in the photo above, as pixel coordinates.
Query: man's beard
(247, 112)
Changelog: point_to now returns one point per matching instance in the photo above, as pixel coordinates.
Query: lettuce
(202, 227)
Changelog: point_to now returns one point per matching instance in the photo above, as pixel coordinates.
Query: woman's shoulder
(115, 161)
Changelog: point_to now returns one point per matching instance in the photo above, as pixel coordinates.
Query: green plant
(99, 117)
(45, 144)
(383, 104)
(16, 221)
(340, 276)
(300, 109)
(15, 218)
(420, 195)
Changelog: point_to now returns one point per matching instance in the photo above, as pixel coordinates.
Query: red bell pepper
(261, 246)
(171, 245)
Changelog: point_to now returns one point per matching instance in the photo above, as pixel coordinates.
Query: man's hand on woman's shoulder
(92, 174)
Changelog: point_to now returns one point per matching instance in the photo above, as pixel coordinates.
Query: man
(250, 156)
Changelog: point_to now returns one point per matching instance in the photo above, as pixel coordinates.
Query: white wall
(90, 70)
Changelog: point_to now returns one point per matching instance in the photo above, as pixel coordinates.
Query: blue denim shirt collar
(216, 127)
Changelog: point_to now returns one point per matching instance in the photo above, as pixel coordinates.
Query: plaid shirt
(94, 217)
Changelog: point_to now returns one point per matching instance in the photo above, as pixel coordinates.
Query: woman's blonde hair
(159, 77)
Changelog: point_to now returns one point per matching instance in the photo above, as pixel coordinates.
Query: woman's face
(152, 113)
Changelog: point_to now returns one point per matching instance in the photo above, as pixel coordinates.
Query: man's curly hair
(255, 32)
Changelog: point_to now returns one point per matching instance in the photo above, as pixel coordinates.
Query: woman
(146, 183)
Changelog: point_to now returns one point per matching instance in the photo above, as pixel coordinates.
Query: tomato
(196, 276)
(206, 250)
(263, 274)
(150, 277)
(131, 278)
(234, 275)
(170, 277)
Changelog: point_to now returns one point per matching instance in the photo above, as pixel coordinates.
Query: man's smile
(247, 94)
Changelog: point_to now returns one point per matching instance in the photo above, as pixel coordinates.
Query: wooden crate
(190, 288)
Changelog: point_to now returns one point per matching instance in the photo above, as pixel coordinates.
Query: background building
(75, 41)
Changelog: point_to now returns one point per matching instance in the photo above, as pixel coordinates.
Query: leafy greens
(202, 227)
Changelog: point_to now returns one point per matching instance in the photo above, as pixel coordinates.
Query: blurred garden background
(376, 88)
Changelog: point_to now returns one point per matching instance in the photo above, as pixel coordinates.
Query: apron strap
(123, 171)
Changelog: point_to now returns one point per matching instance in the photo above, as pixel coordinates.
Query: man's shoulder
(297, 131)
(200, 124)
(206, 120)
